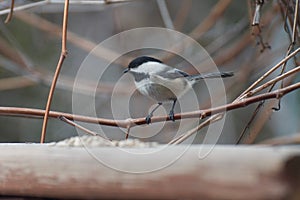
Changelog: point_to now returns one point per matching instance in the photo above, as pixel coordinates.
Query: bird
(162, 82)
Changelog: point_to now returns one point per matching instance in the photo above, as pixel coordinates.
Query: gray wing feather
(173, 73)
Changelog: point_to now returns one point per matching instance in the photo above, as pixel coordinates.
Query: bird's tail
(211, 75)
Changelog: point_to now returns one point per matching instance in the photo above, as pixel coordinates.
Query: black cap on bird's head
(139, 61)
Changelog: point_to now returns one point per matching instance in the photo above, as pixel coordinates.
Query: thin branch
(261, 121)
(257, 28)
(214, 118)
(231, 106)
(268, 73)
(10, 14)
(256, 111)
(127, 132)
(64, 119)
(251, 93)
(295, 22)
(256, 17)
(193, 131)
(201, 114)
(70, 122)
(237, 48)
(45, 2)
(291, 46)
(58, 68)
(24, 7)
(271, 82)
(165, 14)
(285, 16)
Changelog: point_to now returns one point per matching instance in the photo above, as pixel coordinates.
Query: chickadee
(163, 83)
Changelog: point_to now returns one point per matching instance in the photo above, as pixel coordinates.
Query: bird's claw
(171, 116)
(148, 119)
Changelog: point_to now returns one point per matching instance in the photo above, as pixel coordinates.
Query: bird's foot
(171, 115)
(148, 119)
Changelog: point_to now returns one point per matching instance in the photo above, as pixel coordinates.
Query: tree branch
(273, 81)
(269, 72)
(58, 68)
(10, 14)
(29, 112)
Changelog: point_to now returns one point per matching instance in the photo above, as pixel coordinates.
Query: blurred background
(30, 46)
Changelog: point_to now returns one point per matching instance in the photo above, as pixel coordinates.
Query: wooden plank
(227, 172)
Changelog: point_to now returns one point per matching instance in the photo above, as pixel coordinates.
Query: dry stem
(58, 68)
(14, 111)
(64, 119)
(10, 14)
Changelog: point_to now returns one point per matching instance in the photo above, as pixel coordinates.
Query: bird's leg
(148, 118)
(171, 114)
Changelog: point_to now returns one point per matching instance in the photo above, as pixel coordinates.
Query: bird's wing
(173, 79)
(172, 73)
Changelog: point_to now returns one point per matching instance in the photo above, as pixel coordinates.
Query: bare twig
(260, 121)
(193, 131)
(295, 22)
(256, 17)
(219, 116)
(257, 25)
(64, 119)
(127, 132)
(271, 82)
(10, 14)
(251, 93)
(14, 111)
(284, 10)
(256, 111)
(268, 73)
(24, 7)
(45, 2)
(259, 106)
(290, 48)
(290, 21)
(58, 68)
(165, 15)
(231, 52)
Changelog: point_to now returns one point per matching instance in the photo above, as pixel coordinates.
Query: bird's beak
(126, 70)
